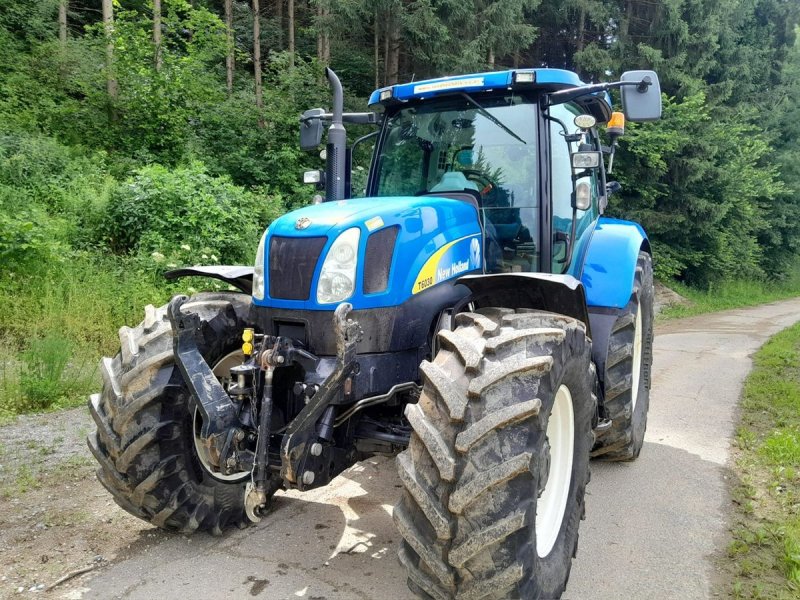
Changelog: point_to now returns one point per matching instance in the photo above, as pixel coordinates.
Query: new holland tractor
(474, 314)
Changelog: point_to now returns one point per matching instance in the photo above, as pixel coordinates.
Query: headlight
(258, 273)
(337, 279)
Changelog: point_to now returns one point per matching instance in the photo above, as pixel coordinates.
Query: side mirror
(560, 247)
(641, 102)
(311, 128)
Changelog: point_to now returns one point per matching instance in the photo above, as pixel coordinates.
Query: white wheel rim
(222, 370)
(552, 503)
(637, 358)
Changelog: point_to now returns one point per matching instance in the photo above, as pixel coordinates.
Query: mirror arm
(366, 118)
(562, 96)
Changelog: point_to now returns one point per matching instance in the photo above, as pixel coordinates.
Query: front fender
(240, 277)
(610, 264)
(562, 294)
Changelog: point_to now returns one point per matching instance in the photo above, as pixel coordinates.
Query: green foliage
(699, 183)
(162, 211)
(154, 111)
(764, 555)
(727, 294)
(99, 193)
(45, 373)
(230, 142)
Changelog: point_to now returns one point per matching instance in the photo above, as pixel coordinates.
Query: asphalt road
(652, 529)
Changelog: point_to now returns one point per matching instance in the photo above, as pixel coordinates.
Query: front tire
(145, 437)
(497, 467)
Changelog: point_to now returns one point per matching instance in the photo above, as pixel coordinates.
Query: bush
(186, 215)
(50, 197)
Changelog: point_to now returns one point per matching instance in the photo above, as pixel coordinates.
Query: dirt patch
(55, 518)
(666, 297)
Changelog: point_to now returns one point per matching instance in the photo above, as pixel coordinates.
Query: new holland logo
(302, 223)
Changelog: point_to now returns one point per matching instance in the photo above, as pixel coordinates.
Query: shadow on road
(334, 543)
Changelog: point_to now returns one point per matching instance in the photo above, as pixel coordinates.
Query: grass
(56, 324)
(764, 553)
(732, 294)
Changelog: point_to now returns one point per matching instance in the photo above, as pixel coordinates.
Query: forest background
(136, 135)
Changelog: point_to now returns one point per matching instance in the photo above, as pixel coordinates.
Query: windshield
(453, 145)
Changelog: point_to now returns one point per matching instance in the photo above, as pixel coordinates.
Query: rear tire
(627, 371)
(502, 434)
(144, 440)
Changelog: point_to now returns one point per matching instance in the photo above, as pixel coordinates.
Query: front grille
(291, 266)
(380, 249)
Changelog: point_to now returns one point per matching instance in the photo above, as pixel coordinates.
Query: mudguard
(562, 294)
(240, 277)
(610, 263)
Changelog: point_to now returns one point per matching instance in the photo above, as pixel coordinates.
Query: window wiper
(490, 116)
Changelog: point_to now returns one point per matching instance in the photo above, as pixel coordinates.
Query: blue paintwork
(610, 264)
(545, 78)
(426, 224)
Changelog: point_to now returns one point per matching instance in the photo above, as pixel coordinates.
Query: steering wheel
(487, 188)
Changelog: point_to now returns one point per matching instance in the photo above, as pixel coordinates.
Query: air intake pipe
(336, 149)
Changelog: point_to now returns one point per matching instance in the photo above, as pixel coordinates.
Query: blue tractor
(474, 314)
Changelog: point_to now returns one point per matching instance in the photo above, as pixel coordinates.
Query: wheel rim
(637, 357)
(552, 503)
(222, 371)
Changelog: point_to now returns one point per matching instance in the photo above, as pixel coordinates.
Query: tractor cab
(522, 146)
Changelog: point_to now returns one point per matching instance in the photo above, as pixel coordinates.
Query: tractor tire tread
(623, 440)
(141, 443)
(462, 533)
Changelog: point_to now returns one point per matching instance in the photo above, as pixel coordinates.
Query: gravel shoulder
(54, 516)
(653, 527)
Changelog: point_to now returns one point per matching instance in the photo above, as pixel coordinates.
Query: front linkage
(308, 457)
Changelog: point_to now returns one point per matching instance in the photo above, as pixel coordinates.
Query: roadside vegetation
(126, 150)
(763, 560)
(728, 294)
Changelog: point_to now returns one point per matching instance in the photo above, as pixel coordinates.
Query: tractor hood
(406, 245)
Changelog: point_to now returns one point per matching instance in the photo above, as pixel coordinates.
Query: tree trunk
(157, 33)
(386, 29)
(257, 59)
(581, 26)
(229, 55)
(393, 58)
(62, 22)
(323, 37)
(490, 59)
(108, 26)
(290, 11)
(377, 57)
(279, 19)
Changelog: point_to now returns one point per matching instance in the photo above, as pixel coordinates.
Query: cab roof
(548, 80)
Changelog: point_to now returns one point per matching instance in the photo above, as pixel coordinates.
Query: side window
(564, 181)
(360, 164)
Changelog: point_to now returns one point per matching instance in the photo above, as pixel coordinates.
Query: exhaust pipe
(336, 149)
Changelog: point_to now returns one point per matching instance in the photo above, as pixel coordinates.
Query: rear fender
(562, 294)
(238, 276)
(610, 264)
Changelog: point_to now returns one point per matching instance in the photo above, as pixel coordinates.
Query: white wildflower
(185, 247)
(214, 257)
(157, 256)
